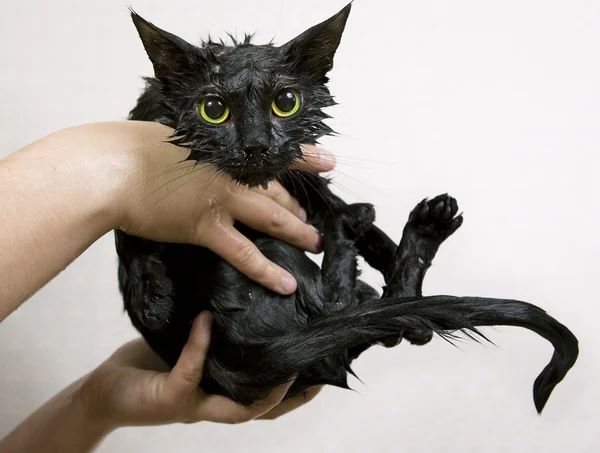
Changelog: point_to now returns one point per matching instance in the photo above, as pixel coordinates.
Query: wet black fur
(261, 339)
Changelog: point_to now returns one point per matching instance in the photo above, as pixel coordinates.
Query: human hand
(165, 198)
(129, 389)
(133, 388)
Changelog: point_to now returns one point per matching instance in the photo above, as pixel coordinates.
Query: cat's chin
(254, 173)
(254, 181)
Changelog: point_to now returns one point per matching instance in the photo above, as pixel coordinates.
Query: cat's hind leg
(147, 290)
(429, 224)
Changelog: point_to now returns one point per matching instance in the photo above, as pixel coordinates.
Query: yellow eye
(286, 103)
(214, 110)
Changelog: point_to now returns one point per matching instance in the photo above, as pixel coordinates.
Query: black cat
(246, 109)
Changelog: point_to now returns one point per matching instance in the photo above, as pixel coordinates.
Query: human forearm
(62, 425)
(53, 205)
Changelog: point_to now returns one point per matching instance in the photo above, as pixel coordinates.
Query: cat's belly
(165, 286)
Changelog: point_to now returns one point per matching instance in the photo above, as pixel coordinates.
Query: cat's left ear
(313, 50)
(170, 55)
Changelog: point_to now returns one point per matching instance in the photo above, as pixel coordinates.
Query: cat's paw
(430, 223)
(418, 337)
(391, 341)
(359, 218)
(436, 219)
(414, 337)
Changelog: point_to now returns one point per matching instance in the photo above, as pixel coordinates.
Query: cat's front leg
(314, 194)
(339, 269)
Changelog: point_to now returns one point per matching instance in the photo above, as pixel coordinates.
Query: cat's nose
(256, 152)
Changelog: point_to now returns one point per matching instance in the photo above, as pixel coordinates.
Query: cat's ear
(169, 54)
(313, 50)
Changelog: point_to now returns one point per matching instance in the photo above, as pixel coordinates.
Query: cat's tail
(365, 323)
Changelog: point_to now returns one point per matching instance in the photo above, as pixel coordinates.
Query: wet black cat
(246, 109)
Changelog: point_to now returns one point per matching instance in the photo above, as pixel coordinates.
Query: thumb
(187, 373)
(315, 159)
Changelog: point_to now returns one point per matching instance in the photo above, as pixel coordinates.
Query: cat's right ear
(169, 54)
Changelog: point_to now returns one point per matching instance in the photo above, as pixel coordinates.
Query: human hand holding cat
(63, 192)
(168, 199)
(133, 387)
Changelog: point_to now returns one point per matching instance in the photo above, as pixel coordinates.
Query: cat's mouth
(254, 170)
(259, 173)
(254, 179)
(253, 182)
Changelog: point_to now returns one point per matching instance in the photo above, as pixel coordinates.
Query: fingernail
(326, 157)
(302, 215)
(288, 284)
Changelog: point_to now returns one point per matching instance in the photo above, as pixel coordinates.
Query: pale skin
(63, 192)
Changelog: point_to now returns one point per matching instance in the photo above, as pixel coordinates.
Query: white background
(497, 103)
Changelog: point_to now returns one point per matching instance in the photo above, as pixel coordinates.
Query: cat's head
(245, 108)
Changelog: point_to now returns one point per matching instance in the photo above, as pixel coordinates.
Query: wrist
(95, 420)
(128, 157)
(106, 166)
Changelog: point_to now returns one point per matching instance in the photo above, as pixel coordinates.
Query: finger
(218, 409)
(241, 253)
(263, 214)
(279, 195)
(187, 373)
(291, 404)
(316, 159)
